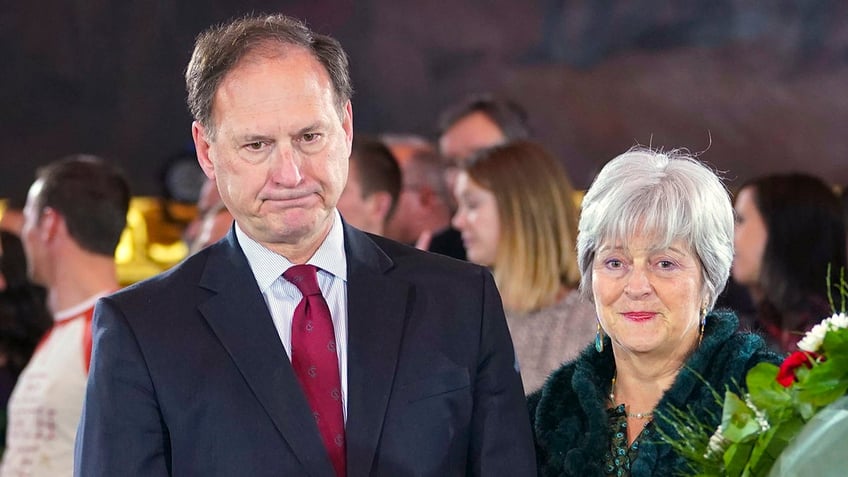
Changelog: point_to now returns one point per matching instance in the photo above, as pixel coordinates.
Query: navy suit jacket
(189, 378)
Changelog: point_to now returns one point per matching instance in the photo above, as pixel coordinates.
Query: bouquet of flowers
(756, 426)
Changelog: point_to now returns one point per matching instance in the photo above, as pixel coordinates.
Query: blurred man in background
(478, 122)
(73, 219)
(373, 185)
(425, 203)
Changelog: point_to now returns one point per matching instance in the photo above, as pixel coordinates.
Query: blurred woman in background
(517, 215)
(789, 230)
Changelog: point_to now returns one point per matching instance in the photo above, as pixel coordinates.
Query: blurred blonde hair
(536, 253)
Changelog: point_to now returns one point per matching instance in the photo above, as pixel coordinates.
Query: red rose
(786, 375)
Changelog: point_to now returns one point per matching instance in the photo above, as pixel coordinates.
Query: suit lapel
(239, 317)
(377, 309)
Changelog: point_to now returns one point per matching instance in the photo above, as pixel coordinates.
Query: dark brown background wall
(758, 86)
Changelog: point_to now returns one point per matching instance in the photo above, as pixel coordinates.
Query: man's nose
(285, 167)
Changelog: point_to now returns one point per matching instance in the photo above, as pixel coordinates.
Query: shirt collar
(79, 308)
(267, 266)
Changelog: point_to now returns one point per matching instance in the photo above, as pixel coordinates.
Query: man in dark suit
(208, 369)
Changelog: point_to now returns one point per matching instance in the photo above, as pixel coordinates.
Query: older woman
(655, 245)
(517, 215)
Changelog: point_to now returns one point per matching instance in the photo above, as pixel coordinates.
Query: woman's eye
(613, 263)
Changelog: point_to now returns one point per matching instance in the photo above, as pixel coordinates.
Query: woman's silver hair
(670, 195)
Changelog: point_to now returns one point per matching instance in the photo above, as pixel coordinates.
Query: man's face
(407, 223)
(414, 209)
(357, 210)
(467, 136)
(280, 153)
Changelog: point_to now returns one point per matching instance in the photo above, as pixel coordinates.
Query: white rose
(838, 320)
(813, 339)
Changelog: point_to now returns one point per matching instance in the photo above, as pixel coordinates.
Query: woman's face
(477, 219)
(648, 299)
(749, 239)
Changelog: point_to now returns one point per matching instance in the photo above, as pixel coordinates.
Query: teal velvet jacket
(570, 423)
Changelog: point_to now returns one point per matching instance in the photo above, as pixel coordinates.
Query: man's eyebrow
(253, 138)
(310, 128)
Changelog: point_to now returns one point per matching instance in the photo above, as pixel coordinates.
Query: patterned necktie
(313, 350)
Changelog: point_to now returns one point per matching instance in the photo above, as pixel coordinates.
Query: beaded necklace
(635, 415)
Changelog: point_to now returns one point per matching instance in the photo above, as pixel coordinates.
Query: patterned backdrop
(759, 86)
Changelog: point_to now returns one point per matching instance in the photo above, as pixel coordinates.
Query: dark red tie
(313, 350)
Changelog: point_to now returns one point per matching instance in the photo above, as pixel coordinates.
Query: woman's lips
(639, 315)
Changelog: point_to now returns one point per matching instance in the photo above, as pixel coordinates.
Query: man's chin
(293, 228)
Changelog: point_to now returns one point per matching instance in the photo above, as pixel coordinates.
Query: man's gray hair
(219, 50)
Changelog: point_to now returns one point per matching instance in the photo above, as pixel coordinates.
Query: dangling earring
(703, 322)
(599, 339)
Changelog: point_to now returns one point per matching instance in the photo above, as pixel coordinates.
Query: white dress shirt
(282, 296)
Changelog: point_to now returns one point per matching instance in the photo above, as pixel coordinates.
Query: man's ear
(380, 204)
(426, 196)
(50, 224)
(201, 146)
(347, 122)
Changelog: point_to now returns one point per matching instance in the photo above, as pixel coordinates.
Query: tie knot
(305, 278)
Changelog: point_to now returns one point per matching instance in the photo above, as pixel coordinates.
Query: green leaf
(824, 383)
(805, 409)
(801, 374)
(738, 420)
(836, 343)
(765, 391)
(736, 458)
(761, 374)
(771, 444)
(758, 452)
